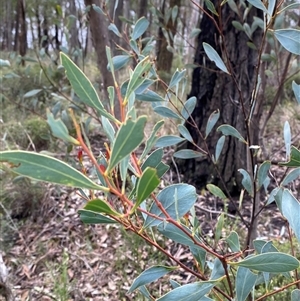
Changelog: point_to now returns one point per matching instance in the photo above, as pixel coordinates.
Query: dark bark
(216, 90)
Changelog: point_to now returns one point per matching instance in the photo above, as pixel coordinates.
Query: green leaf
(188, 292)
(295, 296)
(177, 200)
(100, 206)
(247, 181)
(168, 140)
(108, 129)
(214, 56)
(114, 29)
(139, 28)
(244, 283)
(212, 120)
(290, 177)
(187, 154)
(128, 138)
(143, 290)
(89, 217)
(151, 140)
(219, 227)
(219, 147)
(44, 168)
(200, 255)
(291, 211)
(83, 87)
(32, 93)
(59, 129)
(287, 138)
(258, 4)
(177, 235)
(136, 78)
(98, 9)
(166, 112)
(263, 173)
(218, 270)
(211, 7)
(296, 89)
(233, 241)
(149, 96)
(294, 158)
(229, 130)
(119, 62)
(289, 39)
(150, 275)
(146, 185)
(154, 160)
(184, 132)
(238, 25)
(189, 107)
(273, 262)
(176, 78)
(216, 191)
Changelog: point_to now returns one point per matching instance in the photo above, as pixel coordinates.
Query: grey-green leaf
(168, 140)
(244, 283)
(289, 39)
(189, 292)
(166, 112)
(273, 262)
(212, 120)
(233, 241)
(296, 89)
(150, 275)
(189, 107)
(229, 130)
(187, 154)
(139, 28)
(214, 56)
(263, 173)
(247, 181)
(44, 168)
(295, 296)
(177, 200)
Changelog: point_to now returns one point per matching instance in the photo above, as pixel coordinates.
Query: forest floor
(52, 255)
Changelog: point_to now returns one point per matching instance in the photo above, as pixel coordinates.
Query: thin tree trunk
(100, 39)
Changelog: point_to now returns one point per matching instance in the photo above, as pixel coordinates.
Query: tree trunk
(164, 56)
(216, 90)
(99, 33)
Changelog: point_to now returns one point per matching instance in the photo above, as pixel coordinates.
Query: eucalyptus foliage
(224, 270)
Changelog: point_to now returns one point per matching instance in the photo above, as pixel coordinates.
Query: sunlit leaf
(287, 138)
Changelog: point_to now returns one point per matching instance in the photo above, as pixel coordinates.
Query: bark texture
(216, 90)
